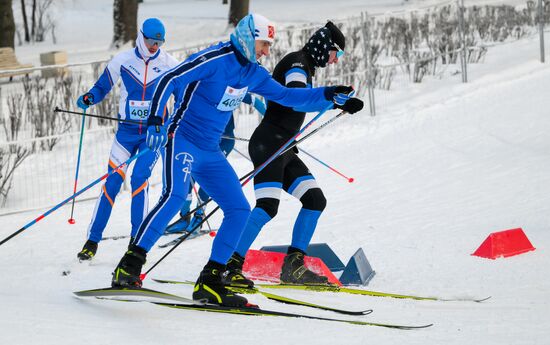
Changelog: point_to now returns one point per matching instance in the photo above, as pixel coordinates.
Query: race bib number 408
(232, 98)
(139, 110)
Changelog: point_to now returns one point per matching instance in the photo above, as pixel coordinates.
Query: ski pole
(44, 215)
(198, 198)
(242, 154)
(71, 219)
(58, 110)
(286, 150)
(182, 238)
(350, 179)
(285, 145)
(234, 138)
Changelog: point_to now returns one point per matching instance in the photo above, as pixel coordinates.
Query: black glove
(351, 106)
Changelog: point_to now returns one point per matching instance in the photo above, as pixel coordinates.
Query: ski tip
(421, 326)
(408, 327)
(482, 299)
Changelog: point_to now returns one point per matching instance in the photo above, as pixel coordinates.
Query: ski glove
(85, 101)
(156, 133)
(342, 94)
(351, 106)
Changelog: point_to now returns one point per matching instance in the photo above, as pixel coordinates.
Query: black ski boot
(88, 251)
(210, 288)
(127, 272)
(233, 276)
(294, 271)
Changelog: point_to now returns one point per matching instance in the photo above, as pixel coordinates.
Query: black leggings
(285, 170)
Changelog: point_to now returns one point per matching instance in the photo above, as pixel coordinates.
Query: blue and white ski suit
(139, 78)
(210, 85)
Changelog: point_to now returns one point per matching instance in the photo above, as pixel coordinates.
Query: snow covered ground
(434, 175)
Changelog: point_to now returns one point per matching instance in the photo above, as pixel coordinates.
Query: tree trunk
(33, 19)
(25, 21)
(7, 25)
(237, 10)
(125, 22)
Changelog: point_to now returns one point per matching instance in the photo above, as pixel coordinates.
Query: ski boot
(195, 221)
(295, 272)
(210, 288)
(88, 251)
(233, 276)
(127, 272)
(180, 226)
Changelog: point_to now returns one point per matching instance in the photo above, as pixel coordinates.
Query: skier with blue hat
(140, 70)
(210, 85)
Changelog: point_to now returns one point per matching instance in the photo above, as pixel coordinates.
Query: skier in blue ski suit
(227, 143)
(212, 83)
(140, 70)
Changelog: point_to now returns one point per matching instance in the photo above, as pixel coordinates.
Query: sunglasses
(152, 41)
(339, 52)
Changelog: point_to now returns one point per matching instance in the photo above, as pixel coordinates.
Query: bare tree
(125, 21)
(237, 10)
(7, 24)
(25, 21)
(42, 21)
(33, 18)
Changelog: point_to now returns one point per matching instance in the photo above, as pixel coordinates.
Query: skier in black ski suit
(288, 172)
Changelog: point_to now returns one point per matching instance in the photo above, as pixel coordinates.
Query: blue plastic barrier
(358, 271)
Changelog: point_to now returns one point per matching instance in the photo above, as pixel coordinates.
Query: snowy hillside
(435, 173)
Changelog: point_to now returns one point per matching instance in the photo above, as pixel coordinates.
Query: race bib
(232, 98)
(139, 110)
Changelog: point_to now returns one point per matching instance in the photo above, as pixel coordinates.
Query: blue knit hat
(153, 28)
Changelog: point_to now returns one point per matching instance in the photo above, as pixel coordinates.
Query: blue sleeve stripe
(296, 70)
(109, 76)
(183, 68)
(295, 75)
